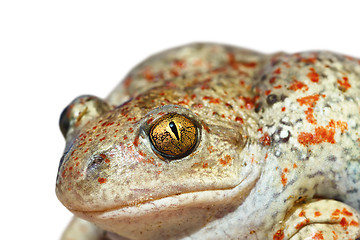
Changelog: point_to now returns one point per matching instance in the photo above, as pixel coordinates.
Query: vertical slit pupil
(174, 129)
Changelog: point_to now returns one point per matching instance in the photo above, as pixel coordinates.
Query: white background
(53, 51)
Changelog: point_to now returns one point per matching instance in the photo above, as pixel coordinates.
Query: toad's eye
(174, 136)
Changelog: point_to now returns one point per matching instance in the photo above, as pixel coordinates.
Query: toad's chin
(178, 215)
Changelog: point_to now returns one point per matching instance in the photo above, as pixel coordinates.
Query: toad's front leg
(320, 219)
(79, 229)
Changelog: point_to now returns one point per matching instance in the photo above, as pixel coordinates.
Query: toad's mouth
(199, 199)
(178, 214)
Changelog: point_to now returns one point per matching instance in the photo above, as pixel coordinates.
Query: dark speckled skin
(278, 155)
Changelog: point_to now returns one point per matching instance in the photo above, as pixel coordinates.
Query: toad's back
(216, 142)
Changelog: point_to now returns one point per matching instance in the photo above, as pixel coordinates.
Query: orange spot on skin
(302, 224)
(136, 141)
(338, 124)
(335, 237)
(279, 235)
(309, 100)
(277, 71)
(142, 153)
(294, 166)
(322, 134)
(212, 100)
(211, 149)
(283, 179)
(344, 84)
(335, 214)
(174, 72)
(249, 102)
(349, 58)
(127, 82)
(313, 75)
(310, 116)
(302, 213)
(286, 64)
(239, 119)
(148, 75)
(102, 180)
(185, 101)
(267, 92)
(308, 60)
(344, 223)
(131, 119)
(354, 223)
(272, 80)
(346, 212)
(318, 236)
(235, 64)
(283, 109)
(297, 85)
(265, 140)
(248, 64)
(143, 160)
(227, 160)
(179, 63)
(278, 86)
(216, 100)
(207, 129)
(317, 214)
(205, 84)
(205, 165)
(198, 105)
(149, 120)
(232, 61)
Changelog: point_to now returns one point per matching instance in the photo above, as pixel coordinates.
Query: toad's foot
(320, 219)
(79, 229)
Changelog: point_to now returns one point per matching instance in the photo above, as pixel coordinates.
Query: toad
(209, 141)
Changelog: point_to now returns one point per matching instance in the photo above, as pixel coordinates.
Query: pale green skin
(237, 184)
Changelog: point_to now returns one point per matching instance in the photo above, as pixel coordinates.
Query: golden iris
(173, 136)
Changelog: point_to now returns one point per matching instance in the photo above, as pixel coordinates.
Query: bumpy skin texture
(278, 153)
